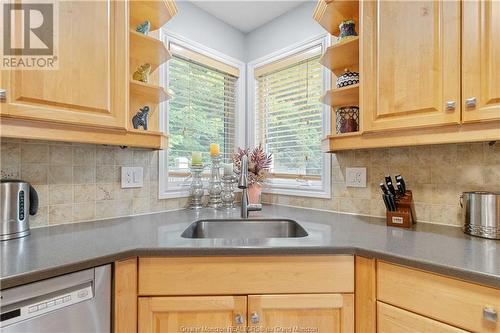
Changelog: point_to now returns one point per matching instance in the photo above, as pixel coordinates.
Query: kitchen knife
(384, 188)
(392, 202)
(388, 179)
(400, 189)
(391, 188)
(400, 179)
(386, 202)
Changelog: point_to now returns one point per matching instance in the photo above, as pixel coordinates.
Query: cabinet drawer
(394, 320)
(246, 275)
(451, 301)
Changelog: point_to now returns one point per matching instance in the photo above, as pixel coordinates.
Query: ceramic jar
(347, 119)
(347, 79)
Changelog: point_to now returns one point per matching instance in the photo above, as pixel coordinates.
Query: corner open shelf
(148, 49)
(330, 13)
(342, 96)
(158, 12)
(341, 56)
(148, 91)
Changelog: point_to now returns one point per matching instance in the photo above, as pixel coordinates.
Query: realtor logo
(29, 33)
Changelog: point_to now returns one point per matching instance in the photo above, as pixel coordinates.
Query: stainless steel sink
(245, 229)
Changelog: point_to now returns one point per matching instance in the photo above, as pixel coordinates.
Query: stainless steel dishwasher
(76, 302)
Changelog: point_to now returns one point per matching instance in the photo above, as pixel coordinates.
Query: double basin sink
(245, 229)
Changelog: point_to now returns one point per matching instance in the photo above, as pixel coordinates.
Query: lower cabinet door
(301, 313)
(391, 319)
(192, 314)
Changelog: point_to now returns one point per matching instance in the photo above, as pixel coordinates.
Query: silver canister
(481, 214)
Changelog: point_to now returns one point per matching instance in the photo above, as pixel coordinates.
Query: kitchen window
(290, 121)
(203, 109)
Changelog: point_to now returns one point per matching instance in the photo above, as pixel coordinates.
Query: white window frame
(166, 191)
(291, 187)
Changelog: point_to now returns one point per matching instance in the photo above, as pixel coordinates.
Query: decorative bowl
(347, 79)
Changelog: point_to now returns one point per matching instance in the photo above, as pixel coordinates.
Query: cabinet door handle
(451, 105)
(3, 95)
(239, 319)
(471, 102)
(490, 314)
(255, 318)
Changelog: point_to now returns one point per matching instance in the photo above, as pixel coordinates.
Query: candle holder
(227, 194)
(215, 186)
(196, 188)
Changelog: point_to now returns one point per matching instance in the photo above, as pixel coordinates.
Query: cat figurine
(144, 27)
(142, 73)
(141, 118)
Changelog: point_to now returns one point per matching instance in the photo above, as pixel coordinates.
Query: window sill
(321, 194)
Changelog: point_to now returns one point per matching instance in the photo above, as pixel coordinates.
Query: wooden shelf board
(158, 12)
(342, 55)
(476, 132)
(150, 91)
(342, 96)
(40, 130)
(330, 13)
(148, 49)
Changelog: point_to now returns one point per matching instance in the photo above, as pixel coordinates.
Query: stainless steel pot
(481, 214)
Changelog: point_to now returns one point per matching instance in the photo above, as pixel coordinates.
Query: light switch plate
(355, 177)
(132, 177)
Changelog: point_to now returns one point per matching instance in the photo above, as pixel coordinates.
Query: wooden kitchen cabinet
(411, 64)
(191, 314)
(480, 61)
(302, 313)
(391, 319)
(90, 85)
(454, 302)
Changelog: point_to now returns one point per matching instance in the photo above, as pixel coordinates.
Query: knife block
(404, 215)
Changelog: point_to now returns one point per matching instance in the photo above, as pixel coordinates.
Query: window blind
(290, 115)
(201, 111)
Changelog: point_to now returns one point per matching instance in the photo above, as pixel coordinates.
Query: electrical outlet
(355, 177)
(132, 177)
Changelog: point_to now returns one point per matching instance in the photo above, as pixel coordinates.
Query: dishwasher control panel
(44, 304)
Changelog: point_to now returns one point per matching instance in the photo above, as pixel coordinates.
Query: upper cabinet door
(481, 61)
(332, 313)
(411, 64)
(90, 86)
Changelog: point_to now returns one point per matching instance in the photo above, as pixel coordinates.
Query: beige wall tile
(60, 194)
(84, 193)
(59, 214)
(60, 155)
(10, 171)
(106, 174)
(105, 156)
(35, 173)
(124, 157)
(84, 174)
(34, 153)
(41, 218)
(105, 192)
(83, 211)
(10, 153)
(84, 155)
(60, 174)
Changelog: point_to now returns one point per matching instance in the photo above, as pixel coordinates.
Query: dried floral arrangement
(259, 163)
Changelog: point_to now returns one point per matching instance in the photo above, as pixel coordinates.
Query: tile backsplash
(79, 182)
(436, 174)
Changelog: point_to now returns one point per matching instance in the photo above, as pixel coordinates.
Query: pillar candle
(228, 169)
(196, 158)
(214, 149)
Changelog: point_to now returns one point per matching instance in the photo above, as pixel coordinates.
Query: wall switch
(132, 177)
(355, 177)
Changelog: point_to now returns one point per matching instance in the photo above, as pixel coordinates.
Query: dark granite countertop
(56, 250)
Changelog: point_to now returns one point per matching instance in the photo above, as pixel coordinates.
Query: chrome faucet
(243, 184)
